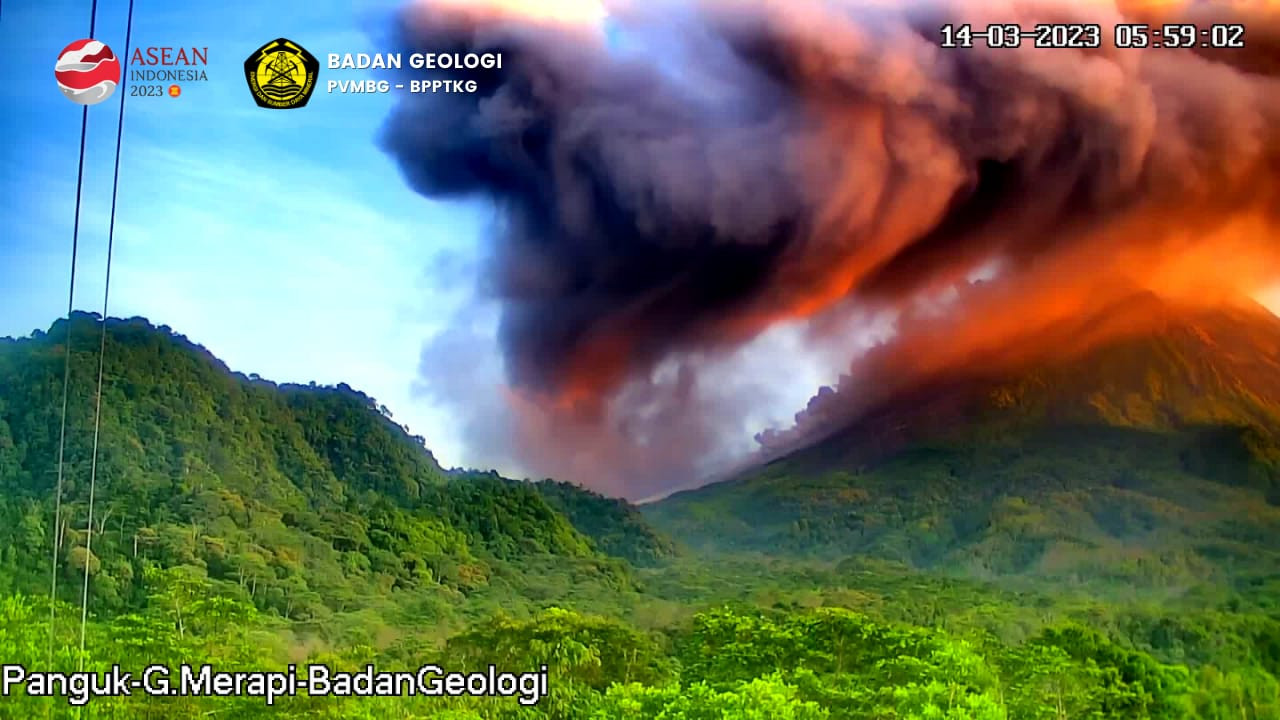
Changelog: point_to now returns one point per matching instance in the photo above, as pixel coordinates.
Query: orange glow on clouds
(895, 170)
(561, 12)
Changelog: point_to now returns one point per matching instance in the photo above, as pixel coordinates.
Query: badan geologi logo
(87, 71)
(281, 75)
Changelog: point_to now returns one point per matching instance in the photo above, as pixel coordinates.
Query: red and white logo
(87, 72)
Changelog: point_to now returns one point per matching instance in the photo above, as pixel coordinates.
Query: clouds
(824, 157)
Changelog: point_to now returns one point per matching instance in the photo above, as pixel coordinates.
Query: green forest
(1091, 569)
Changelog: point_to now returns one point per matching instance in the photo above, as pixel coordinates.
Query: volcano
(1153, 457)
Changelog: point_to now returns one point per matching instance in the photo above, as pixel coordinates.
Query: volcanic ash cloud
(676, 183)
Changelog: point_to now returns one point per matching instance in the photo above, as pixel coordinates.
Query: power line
(102, 349)
(66, 368)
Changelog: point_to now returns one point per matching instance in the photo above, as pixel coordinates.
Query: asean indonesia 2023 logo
(87, 71)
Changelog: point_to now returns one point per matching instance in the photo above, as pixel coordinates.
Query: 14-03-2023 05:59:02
(1093, 36)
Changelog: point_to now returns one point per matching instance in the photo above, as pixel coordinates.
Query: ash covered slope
(1152, 458)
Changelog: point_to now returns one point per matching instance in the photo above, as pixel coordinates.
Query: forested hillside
(311, 498)
(252, 526)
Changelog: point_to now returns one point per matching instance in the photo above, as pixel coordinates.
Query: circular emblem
(281, 74)
(87, 72)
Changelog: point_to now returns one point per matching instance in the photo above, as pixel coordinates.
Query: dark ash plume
(804, 159)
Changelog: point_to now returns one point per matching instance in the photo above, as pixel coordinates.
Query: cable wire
(102, 349)
(66, 368)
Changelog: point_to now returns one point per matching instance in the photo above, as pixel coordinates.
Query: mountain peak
(1145, 362)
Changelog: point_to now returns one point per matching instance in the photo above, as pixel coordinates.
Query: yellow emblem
(281, 74)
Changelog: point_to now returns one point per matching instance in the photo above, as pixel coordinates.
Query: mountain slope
(1150, 459)
(308, 497)
(615, 525)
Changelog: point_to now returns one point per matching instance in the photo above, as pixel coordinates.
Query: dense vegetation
(251, 525)
(1079, 505)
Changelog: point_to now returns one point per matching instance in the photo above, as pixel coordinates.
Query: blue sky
(352, 278)
(284, 241)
